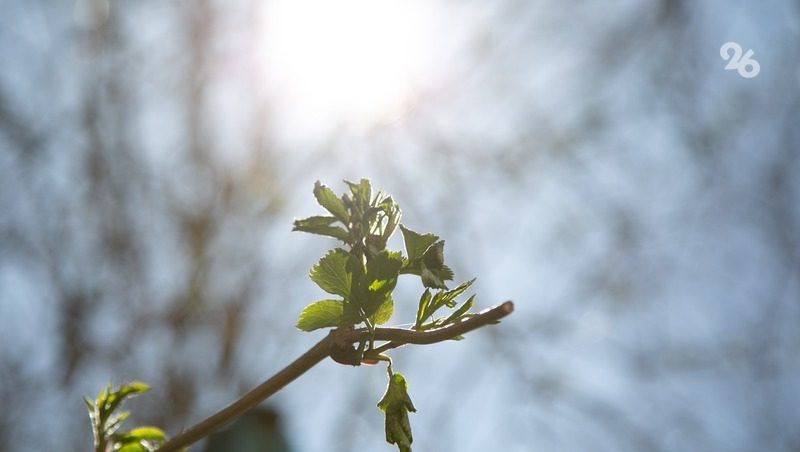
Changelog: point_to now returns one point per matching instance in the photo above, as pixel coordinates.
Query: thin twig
(480, 319)
(317, 353)
(400, 337)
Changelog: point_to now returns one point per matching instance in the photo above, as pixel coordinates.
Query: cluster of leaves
(363, 274)
(106, 421)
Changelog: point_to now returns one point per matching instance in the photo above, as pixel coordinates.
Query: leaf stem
(317, 353)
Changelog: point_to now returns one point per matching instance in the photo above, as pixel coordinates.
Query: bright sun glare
(348, 61)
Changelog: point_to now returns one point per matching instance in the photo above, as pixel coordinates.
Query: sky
(595, 162)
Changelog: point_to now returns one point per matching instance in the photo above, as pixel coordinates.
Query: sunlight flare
(350, 61)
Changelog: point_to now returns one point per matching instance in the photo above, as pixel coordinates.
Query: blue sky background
(592, 161)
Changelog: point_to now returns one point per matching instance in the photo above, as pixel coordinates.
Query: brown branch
(480, 319)
(317, 353)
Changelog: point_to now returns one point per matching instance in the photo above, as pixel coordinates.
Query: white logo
(744, 65)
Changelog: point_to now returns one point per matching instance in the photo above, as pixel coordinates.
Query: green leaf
(109, 400)
(461, 310)
(330, 231)
(434, 255)
(387, 204)
(115, 420)
(431, 279)
(331, 274)
(384, 268)
(102, 396)
(351, 314)
(384, 312)
(416, 244)
(315, 221)
(362, 191)
(424, 300)
(444, 273)
(321, 226)
(133, 388)
(393, 215)
(321, 314)
(396, 404)
(327, 199)
(426, 259)
(453, 293)
(106, 420)
(371, 214)
(89, 404)
(440, 299)
(146, 433)
(133, 447)
(381, 279)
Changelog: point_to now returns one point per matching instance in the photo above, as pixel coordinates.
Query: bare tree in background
(637, 201)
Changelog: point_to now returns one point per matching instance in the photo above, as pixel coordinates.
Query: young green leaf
(133, 447)
(331, 273)
(146, 433)
(393, 215)
(440, 299)
(362, 192)
(383, 270)
(327, 199)
(384, 312)
(115, 420)
(381, 278)
(432, 268)
(431, 278)
(424, 300)
(314, 221)
(106, 420)
(321, 226)
(434, 255)
(444, 273)
(396, 404)
(109, 400)
(131, 389)
(458, 313)
(416, 244)
(453, 293)
(321, 314)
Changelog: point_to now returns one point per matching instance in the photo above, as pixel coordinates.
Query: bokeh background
(593, 161)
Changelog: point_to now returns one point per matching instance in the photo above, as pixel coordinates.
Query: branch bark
(320, 351)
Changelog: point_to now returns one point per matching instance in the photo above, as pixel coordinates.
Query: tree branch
(320, 351)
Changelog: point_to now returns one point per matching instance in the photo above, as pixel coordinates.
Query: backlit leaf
(396, 404)
(461, 310)
(147, 433)
(431, 279)
(331, 274)
(385, 266)
(327, 199)
(424, 300)
(133, 447)
(381, 278)
(384, 312)
(434, 255)
(453, 293)
(321, 314)
(315, 221)
(362, 192)
(416, 244)
(321, 226)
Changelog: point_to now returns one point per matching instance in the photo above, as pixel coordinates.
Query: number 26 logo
(744, 65)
